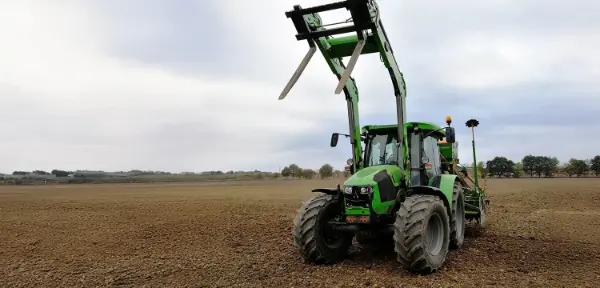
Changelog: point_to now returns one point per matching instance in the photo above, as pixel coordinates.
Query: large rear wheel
(422, 233)
(316, 240)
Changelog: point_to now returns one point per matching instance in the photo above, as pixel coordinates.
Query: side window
(433, 153)
(375, 152)
(391, 152)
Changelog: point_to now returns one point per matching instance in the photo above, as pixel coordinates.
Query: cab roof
(428, 126)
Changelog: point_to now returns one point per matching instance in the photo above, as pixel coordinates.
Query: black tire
(458, 220)
(481, 218)
(315, 240)
(418, 248)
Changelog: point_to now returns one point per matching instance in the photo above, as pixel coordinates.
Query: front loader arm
(314, 23)
(370, 38)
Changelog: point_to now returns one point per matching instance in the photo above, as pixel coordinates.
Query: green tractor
(407, 187)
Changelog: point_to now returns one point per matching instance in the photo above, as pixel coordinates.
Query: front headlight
(348, 189)
(365, 190)
(362, 190)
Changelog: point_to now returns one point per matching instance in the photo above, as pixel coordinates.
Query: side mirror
(450, 135)
(334, 139)
(350, 166)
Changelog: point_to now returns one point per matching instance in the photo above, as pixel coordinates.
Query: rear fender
(445, 184)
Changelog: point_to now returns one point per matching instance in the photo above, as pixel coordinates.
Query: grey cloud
(539, 105)
(190, 146)
(418, 31)
(534, 104)
(317, 141)
(191, 37)
(443, 19)
(182, 145)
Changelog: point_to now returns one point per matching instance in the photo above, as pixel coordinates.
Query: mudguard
(328, 191)
(440, 185)
(445, 183)
(429, 190)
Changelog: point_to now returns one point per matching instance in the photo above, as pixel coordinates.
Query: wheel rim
(435, 231)
(330, 237)
(460, 217)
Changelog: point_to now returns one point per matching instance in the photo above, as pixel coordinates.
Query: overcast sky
(193, 85)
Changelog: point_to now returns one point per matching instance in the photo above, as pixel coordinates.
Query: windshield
(382, 150)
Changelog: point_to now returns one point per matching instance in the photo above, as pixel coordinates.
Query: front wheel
(422, 233)
(314, 238)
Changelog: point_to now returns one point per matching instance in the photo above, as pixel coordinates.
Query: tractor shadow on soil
(495, 252)
(382, 253)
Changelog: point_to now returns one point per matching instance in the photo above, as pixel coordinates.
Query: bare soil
(541, 233)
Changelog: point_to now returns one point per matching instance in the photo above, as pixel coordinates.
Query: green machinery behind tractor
(407, 187)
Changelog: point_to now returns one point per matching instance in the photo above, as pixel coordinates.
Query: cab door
(432, 151)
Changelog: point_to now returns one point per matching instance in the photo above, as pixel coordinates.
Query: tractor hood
(365, 176)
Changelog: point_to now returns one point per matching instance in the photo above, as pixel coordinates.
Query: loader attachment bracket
(366, 35)
(361, 11)
(309, 27)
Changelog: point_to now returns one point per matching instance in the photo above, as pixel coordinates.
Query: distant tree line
(499, 166)
(59, 176)
(326, 171)
(538, 166)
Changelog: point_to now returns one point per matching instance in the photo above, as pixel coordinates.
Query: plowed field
(542, 233)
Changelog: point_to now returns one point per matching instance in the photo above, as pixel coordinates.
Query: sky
(192, 85)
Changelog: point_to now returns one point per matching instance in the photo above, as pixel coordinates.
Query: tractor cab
(424, 151)
(387, 171)
(428, 148)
